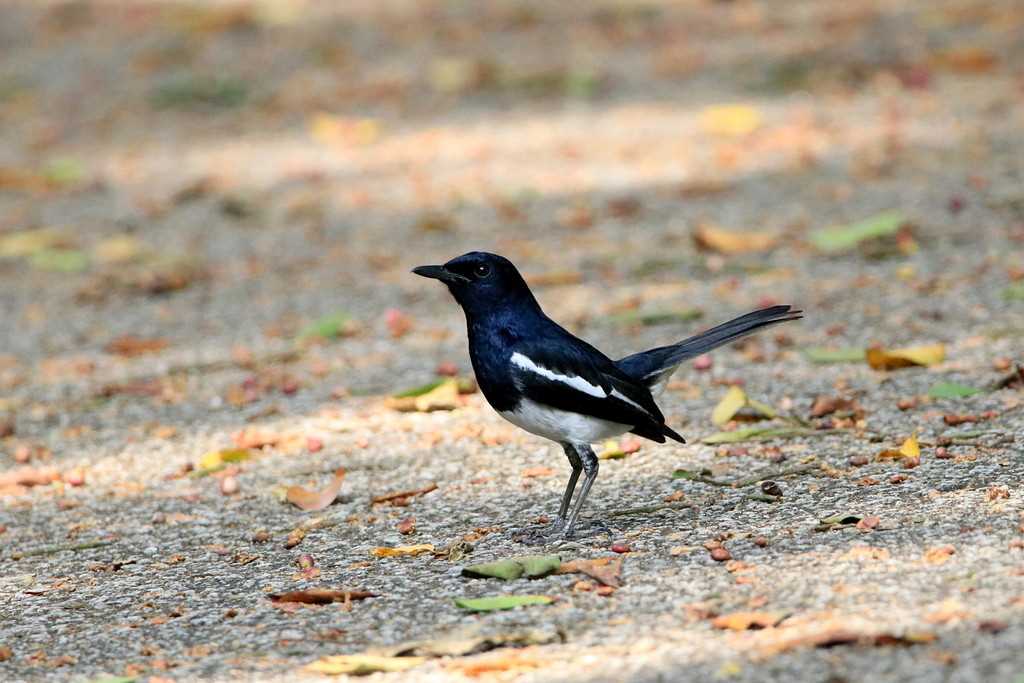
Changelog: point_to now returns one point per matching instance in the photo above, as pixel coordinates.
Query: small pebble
(858, 460)
(229, 486)
(721, 555)
(701, 363)
(771, 488)
(760, 541)
(620, 548)
(911, 462)
(305, 561)
(261, 536)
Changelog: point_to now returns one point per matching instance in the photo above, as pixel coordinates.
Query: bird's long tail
(655, 366)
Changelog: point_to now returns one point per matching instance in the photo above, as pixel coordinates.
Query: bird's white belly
(562, 425)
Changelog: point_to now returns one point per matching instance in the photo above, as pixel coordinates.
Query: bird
(545, 380)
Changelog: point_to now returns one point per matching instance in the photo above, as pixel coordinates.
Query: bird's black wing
(577, 378)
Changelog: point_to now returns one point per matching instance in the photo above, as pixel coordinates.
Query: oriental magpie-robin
(543, 379)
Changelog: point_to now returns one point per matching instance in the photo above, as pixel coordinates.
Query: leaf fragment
(758, 434)
(733, 120)
(403, 550)
(362, 665)
(650, 318)
(316, 500)
(321, 596)
(745, 621)
(501, 602)
(442, 396)
(713, 238)
(530, 566)
(843, 238)
(952, 390)
(820, 354)
(891, 359)
(217, 460)
(606, 570)
(327, 328)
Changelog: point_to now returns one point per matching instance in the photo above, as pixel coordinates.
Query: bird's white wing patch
(626, 399)
(575, 382)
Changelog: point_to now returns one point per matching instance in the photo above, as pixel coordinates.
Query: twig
(61, 547)
(750, 480)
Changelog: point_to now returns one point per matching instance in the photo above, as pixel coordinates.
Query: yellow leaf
(731, 403)
(217, 459)
(118, 249)
(28, 242)
(889, 359)
(329, 129)
(445, 396)
(713, 238)
(910, 448)
(361, 665)
(403, 550)
(734, 120)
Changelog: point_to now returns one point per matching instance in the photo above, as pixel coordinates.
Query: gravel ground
(336, 148)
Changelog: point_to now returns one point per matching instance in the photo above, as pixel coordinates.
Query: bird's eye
(482, 270)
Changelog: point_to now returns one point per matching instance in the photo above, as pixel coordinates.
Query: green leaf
(190, 91)
(757, 434)
(820, 354)
(655, 317)
(842, 238)
(686, 474)
(420, 390)
(60, 260)
(1014, 292)
(328, 327)
(952, 390)
(500, 602)
(530, 566)
(64, 171)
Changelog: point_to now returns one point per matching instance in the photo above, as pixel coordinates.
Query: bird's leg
(577, 467)
(590, 465)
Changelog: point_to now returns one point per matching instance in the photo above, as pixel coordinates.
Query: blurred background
(253, 164)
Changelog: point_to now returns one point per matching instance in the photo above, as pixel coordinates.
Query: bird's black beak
(440, 273)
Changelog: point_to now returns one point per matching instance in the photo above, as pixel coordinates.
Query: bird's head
(480, 280)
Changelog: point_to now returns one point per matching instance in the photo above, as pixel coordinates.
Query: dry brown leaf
(321, 596)
(891, 359)
(538, 472)
(909, 449)
(362, 664)
(939, 554)
(507, 660)
(130, 345)
(743, 621)
(713, 238)
(394, 498)
(316, 500)
(824, 630)
(606, 570)
(445, 396)
(403, 550)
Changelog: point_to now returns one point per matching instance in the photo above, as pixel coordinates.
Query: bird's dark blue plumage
(544, 379)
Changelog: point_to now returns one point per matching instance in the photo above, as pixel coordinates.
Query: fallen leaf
(908, 449)
(734, 120)
(328, 129)
(496, 663)
(713, 238)
(758, 434)
(613, 449)
(530, 566)
(825, 630)
(316, 500)
(939, 554)
(839, 239)
(217, 460)
(407, 526)
(606, 570)
(321, 596)
(890, 359)
(736, 400)
(838, 520)
(469, 641)
(1014, 292)
(403, 550)
(118, 249)
(501, 602)
(539, 471)
(362, 665)
(60, 260)
(744, 621)
(952, 390)
(130, 346)
(967, 60)
(403, 495)
(327, 328)
(444, 395)
(818, 354)
(28, 242)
